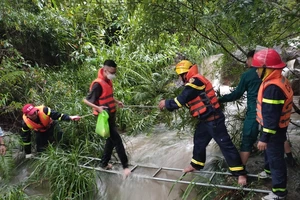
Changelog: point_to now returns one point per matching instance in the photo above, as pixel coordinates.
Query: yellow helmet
(183, 67)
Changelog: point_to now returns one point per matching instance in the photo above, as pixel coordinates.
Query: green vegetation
(50, 51)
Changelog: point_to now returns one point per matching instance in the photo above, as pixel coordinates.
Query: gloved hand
(29, 156)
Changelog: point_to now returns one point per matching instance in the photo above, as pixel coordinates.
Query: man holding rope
(43, 121)
(200, 98)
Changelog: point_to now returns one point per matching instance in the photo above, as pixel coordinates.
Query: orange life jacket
(277, 79)
(107, 97)
(196, 106)
(45, 120)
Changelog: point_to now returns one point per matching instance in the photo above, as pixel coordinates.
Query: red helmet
(268, 58)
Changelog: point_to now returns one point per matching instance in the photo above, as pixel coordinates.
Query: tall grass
(66, 179)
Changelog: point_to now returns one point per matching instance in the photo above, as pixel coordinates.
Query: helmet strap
(263, 73)
(183, 77)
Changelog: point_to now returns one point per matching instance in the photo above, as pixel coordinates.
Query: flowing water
(161, 149)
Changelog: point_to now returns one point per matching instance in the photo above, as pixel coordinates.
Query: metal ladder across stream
(173, 175)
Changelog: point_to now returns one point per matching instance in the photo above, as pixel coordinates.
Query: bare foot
(126, 172)
(190, 168)
(242, 180)
(108, 166)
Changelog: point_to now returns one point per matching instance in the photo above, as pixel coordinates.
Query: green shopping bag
(102, 126)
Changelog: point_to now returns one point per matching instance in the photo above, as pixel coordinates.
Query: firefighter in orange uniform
(199, 96)
(42, 120)
(274, 107)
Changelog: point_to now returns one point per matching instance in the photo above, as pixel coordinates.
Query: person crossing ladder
(199, 96)
(101, 97)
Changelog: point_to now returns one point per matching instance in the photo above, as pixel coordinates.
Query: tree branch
(291, 35)
(206, 37)
(286, 28)
(231, 39)
(219, 43)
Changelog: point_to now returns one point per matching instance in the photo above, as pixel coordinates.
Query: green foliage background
(51, 50)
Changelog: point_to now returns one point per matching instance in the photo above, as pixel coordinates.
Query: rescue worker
(274, 107)
(101, 97)
(43, 121)
(2, 145)
(199, 96)
(249, 82)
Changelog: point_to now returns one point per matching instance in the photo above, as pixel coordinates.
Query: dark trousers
(216, 129)
(274, 162)
(114, 140)
(52, 135)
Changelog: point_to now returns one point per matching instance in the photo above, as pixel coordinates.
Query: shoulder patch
(191, 80)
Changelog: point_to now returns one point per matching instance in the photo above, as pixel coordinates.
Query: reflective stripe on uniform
(278, 189)
(236, 168)
(25, 130)
(177, 102)
(272, 101)
(49, 112)
(195, 86)
(269, 131)
(275, 78)
(197, 162)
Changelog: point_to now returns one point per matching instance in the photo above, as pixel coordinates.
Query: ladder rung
(87, 162)
(134, 167)
(157, 171)
(212, 176)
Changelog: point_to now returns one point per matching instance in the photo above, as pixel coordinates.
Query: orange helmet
(183, 67)
(268, 58)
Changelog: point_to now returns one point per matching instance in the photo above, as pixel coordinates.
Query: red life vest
(107, 97)
(275, 78)
(196, 106)
(45, 120)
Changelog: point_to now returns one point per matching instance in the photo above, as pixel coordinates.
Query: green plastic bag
(102, 126)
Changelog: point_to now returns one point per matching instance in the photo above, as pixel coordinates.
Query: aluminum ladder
(91, 163)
